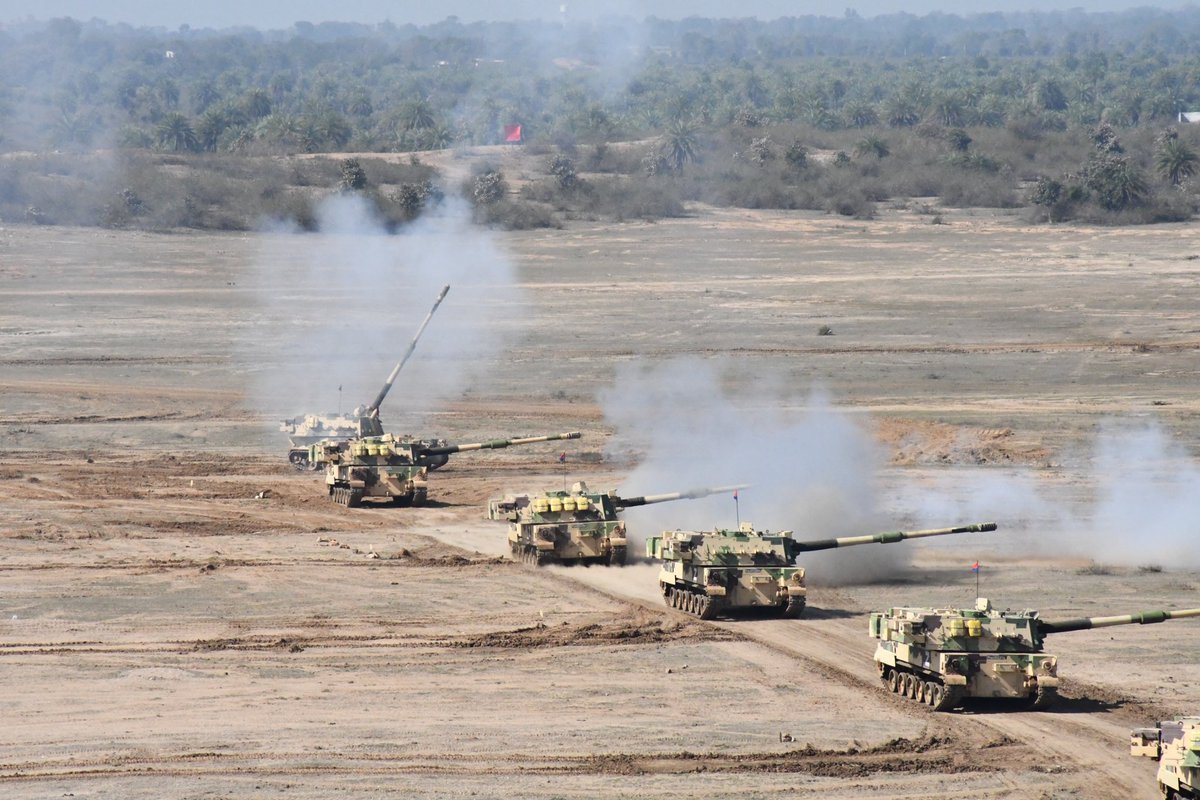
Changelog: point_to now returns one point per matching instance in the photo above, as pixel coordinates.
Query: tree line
(888, 96)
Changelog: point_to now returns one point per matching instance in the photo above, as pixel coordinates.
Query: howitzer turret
(708, 573)
(394, 468)
(945, 656)
(575, 527)
(311, 429)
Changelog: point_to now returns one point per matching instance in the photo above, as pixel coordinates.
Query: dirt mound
(933, 754)
(921, 442)
(605, 633)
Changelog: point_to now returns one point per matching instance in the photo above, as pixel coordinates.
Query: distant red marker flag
(975, 568)
(735, 494)
(562, 458)
(512, 134)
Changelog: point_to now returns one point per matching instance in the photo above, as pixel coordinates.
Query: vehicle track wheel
(794, 607)
(708, 608)
(925, 686)
(914, 691)
(354, 499)
(950, 696)
(1045, 697)
(893, 681)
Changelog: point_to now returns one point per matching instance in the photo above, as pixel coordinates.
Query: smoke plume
(1130, 500)
(811, 466)
(340, 306)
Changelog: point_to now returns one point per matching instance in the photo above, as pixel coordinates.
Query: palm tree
(680, 143)
(209, 128)
(872, 146)
(175, 133)
(417, 115)
(1175, 161)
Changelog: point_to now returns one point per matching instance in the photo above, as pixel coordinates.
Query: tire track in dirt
(1091, 745)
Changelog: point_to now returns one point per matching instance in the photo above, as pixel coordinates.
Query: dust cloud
(338, 308)
(811, 466)
(1131, 500)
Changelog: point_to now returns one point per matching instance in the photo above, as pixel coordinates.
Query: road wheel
(708, 608)
(794, 608)
(951, 696)
(894, 681)
(1045, 697)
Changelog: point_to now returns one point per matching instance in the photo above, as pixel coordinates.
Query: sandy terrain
(166, 633)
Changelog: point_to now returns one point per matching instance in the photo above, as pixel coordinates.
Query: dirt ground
(165, 632)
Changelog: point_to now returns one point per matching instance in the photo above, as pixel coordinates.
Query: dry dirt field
(166, 633)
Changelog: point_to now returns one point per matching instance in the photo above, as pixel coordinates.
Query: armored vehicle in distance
(363, 422)
(393, 468)
(944, 656)
(709, 573)
(575, 527)
(1175, 744)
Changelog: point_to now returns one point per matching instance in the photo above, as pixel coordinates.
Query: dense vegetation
(1071, 115)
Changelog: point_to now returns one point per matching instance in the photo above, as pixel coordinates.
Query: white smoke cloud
(340, 306)
(812, 467)
(1132, 500)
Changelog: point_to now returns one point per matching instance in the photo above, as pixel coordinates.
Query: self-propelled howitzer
(1175, 744)
(708, 573)
(393, 468)
(945, 656)
(575, 527)
(311, 429)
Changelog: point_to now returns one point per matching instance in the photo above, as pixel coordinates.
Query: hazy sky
(278, 14)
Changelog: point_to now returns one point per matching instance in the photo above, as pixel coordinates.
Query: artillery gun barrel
(373, 409)
(1140, 618)
(890, 537)
(497, 444)
(690, 494)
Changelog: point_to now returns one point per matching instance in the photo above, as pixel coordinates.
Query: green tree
(872, 146)
(353, 176)
(680, 143)
(1114, 181)
(1173, 159)
(174, 132)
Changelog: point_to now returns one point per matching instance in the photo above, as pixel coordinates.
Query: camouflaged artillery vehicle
(714, 572)
(575, 527)
(1175, 744)
(311, 429)
(944, 656)
(393, 468)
